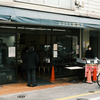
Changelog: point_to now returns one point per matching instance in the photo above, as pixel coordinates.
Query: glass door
(7, 58)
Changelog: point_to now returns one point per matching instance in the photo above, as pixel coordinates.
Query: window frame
(48, 5)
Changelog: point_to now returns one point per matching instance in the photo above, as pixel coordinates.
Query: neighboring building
(71, 24)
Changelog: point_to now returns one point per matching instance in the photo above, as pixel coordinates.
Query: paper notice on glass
(77, 51)
(54, 53)
(77, 46)
(54, 46)
(11, 52)
(84, 44)
(87, 44)
(48, 60)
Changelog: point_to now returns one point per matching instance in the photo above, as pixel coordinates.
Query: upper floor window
(68, 4)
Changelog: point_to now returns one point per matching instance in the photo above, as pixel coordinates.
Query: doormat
(39, 81)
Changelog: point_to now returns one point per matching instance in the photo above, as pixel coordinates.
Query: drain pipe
(80, 52)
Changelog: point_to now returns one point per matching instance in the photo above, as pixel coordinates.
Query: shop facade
(62, 38)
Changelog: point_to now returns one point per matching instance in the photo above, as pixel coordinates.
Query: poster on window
(54, 46)
(54, 54)
(11, 52)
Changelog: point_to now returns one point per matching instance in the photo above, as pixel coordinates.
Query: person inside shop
(22, 68)
(31, 58)
(25, 50)
(89, 53)
(4, 51)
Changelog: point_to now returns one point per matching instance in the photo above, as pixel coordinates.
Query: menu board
(11, 51)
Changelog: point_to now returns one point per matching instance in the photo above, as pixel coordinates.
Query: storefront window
(65, 3)
(50, 2)
(68, 4)
(64, 48)
(7, 58)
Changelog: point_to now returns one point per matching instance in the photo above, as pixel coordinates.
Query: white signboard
(11, 52)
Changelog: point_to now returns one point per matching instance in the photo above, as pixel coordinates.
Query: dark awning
(46, 18)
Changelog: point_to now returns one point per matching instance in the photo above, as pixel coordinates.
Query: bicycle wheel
(98, 79)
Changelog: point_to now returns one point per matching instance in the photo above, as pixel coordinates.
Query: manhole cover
(91, 91)
(82, 99)
(21, 96)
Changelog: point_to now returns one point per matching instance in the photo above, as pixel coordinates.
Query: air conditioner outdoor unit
(81, 4)
(76, 2)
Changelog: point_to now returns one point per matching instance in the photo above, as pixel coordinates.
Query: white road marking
(95, 98)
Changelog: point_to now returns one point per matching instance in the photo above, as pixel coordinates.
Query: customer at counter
(31, 58)
(89, 53)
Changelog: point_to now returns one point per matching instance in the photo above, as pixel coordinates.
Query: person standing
(31, 58)
(89, 53)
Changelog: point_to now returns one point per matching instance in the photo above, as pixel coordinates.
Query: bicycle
(98, 79)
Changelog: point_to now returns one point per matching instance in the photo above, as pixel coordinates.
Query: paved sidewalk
(22, 87)
(62, 92)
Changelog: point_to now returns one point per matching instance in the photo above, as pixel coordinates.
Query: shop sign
(71, 24)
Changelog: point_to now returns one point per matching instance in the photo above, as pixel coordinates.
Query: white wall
(91, 7)
(9, 40)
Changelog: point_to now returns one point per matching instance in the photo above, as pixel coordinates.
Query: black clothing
(31, 58)
(31, 76)
(89, 54)
(25, 50)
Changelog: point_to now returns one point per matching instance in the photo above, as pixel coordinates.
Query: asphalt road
(81, 91)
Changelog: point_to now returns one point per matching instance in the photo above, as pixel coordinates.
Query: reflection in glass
(7, 64)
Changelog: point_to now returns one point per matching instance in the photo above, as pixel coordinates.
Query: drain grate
(91, 91)
(82, 99)
(21, 96)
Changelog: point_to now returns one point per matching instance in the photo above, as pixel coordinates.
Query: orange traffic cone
(89, 77)
(94, 75)
(52, 74)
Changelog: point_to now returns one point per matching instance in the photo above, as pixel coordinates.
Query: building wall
(99, 45)
(91, 7)
(86, 40)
